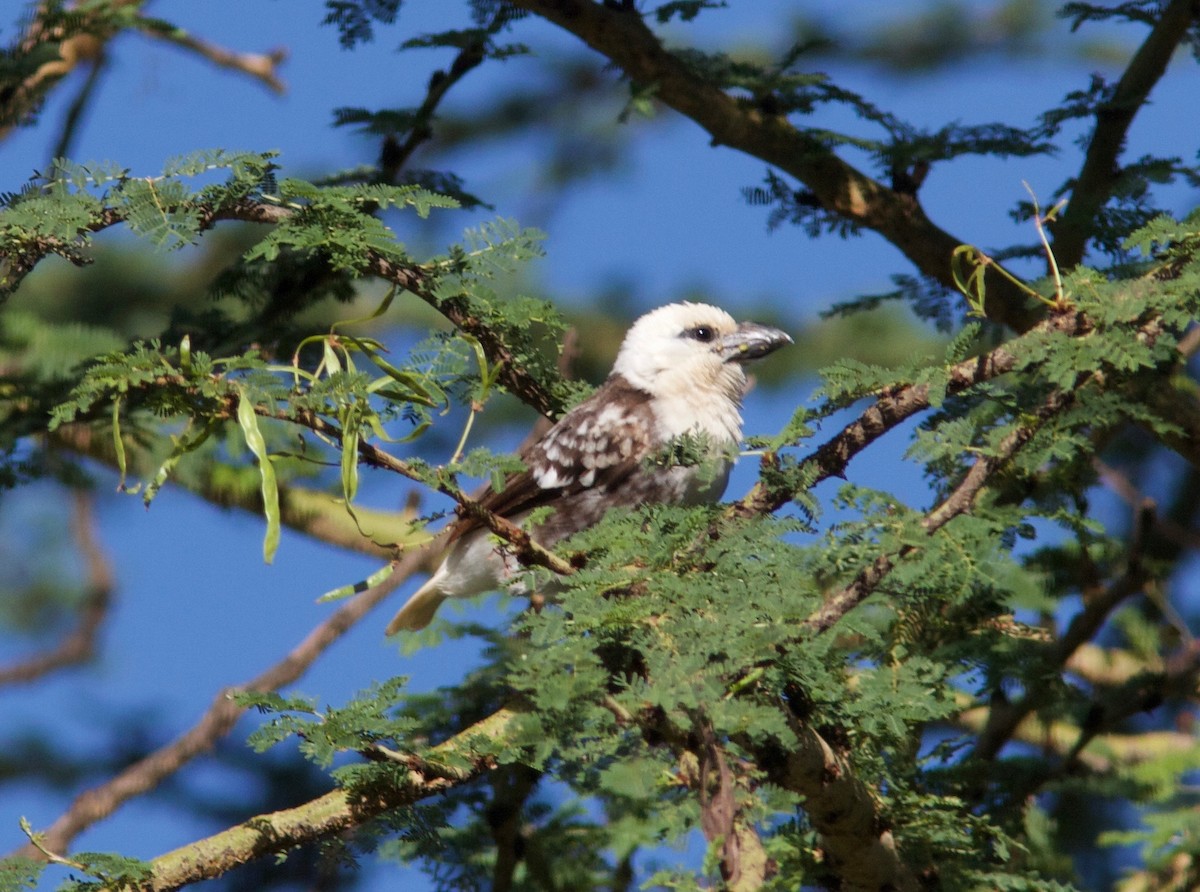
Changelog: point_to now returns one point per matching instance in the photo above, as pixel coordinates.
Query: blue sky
(191, 580)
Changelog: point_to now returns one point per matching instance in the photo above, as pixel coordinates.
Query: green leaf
(270, 489)
(349, 463)
(118, 443)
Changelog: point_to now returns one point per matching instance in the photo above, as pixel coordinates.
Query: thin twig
(89, 46)
(524, 548)
(1039, 222)
(96, 66)
(310, 511)
(395, 156)
(1140, 694)
(1128, 493)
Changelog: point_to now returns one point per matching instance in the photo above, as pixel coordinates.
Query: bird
(679, 373)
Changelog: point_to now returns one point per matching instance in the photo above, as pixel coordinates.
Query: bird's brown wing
(597, 445)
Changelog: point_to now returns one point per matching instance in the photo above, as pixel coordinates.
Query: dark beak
(752, 341)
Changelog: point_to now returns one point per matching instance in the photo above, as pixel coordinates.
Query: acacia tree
(906, 696)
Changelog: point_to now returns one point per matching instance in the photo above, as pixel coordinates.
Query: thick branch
(511, 789)
(858, 847)
(623, 37)
(1099, 172)
(332, 813)
(843, 809)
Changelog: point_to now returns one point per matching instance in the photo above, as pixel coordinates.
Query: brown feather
(607, 436)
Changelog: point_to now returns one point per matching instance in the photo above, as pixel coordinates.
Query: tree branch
(66, 139)
(1114, 752)
(843, 810)
(395, 155)
(1141, 693)
(263, 67)
(511, 788)
(1179, 535)
(87, 42)
(334, 812)
(22, 98)
(859, 849)
(623, 37)
(704, 765)
(1099, 172)
(417, 279)
(524, 548)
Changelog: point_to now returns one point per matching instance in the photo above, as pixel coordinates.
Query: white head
(689, 358)
(693, 347)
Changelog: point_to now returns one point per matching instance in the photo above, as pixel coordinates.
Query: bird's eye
(701, 333)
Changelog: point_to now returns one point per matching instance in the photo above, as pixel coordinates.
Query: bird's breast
(700, 412)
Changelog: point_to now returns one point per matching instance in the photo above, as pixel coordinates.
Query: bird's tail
(418, 611)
